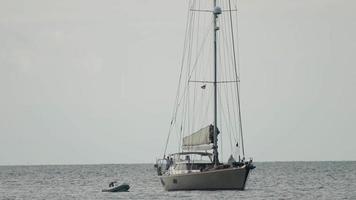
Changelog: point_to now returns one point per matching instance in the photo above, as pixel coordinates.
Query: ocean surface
(270, 180)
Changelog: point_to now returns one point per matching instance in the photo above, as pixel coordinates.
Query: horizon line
(146, 163)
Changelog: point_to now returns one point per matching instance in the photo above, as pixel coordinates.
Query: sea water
(270, 180)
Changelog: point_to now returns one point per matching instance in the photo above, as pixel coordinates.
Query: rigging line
(184, 114)
(237, 124)
(229, 63)
(228, 128)
(185, 111)
(194, 65)
(233, 92)
(222, 54)
(200, 107)
(186, 52)
(210, 11)
(200, 51)
(237, 84)
(200, 71)
(191, 73)
(198, 10)
(237, 36)
(234, 125)
(224, 75)
(188, 111)
(222, 111)
(210, 94)
(221, 130)
(195, 88)
(175, 107)
(195, 35)
(181, 129)
(193, 106)
(225, 52)
(191, 38)
(194, 81)
(189, 63)
(203, 114)
(182, 64)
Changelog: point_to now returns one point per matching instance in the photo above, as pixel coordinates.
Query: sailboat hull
(221, 179)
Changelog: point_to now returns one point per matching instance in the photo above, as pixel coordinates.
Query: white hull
(222, 179)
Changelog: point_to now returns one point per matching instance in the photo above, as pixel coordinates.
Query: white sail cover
(202, 137)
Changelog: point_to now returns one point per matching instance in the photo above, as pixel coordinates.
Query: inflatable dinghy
(117, 188)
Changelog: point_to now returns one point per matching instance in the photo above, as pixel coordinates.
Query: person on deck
(112, 184)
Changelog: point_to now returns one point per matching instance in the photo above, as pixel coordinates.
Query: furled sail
(203, 147)
(202, 138)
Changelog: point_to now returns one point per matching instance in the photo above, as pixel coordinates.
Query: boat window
(181, 167)
(197, 166)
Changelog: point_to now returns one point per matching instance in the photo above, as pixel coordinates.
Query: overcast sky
(94, 81)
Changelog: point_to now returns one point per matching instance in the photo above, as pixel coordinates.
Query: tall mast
(216, 12)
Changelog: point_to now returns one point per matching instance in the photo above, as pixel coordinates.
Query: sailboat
(207, 98)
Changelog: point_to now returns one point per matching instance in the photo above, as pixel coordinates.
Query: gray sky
(94, 81)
